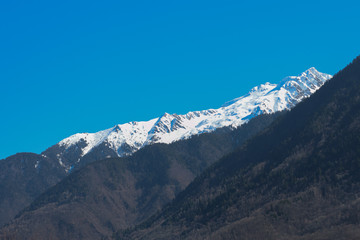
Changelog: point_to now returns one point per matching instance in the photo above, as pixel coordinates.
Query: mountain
(298, 179)
(125, 139)
(22, 179)
(75, 152)
(114, 193)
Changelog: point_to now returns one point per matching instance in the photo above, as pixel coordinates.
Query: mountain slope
(80, 149)
(300, 179)
(117, 193)
(23, 177)
(125, 139)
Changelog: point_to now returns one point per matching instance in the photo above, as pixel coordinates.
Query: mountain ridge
(125, 139)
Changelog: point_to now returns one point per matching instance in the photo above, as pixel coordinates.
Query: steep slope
(300, 179)
(125, 139)
(116, 193)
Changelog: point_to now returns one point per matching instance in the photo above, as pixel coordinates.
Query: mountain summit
(125, 139)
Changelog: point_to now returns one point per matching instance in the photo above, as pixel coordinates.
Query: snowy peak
(125, 139)
(315, 74)
(310, 79)
(262, 88)
(167, 123)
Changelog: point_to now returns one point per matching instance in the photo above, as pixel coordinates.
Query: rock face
(125, 139)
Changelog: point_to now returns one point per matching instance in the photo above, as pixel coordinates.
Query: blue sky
(84, 66)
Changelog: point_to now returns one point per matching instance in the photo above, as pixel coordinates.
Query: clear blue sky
(84, 66)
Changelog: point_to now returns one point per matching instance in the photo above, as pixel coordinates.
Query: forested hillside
(117, 193)
(299, 179)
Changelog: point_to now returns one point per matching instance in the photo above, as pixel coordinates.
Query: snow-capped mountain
(125, 139)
